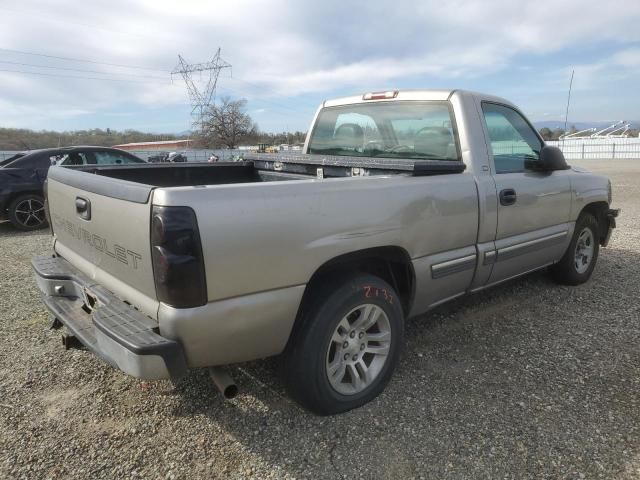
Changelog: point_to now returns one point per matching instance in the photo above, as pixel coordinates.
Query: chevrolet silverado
(401, 200)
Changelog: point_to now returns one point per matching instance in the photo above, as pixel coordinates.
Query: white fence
(599, 148)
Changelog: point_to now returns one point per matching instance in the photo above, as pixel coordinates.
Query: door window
(32, 161)
(75, 158)
(111, 158)
(514, 144)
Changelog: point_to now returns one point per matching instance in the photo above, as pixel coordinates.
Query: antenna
(202, 93)
(566, 114)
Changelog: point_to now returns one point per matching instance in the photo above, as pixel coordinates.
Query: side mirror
(552, 158)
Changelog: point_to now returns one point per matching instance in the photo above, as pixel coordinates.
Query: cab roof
(409, 94)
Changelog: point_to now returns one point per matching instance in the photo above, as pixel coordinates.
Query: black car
(22, 177)
(159, 157)
(172, 157)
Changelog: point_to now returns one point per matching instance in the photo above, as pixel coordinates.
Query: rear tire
(26, 212)
(578, 262)
(347, 346)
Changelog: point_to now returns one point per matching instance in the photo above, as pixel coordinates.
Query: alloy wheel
(358, 349)
(30, 213)
(584, 250)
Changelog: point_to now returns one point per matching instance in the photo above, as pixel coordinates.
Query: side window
(513, 142)
(55, 159)
(76, 158)
(111, 158)
(32, 161)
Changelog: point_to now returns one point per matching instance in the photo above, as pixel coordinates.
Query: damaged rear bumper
(112, 329)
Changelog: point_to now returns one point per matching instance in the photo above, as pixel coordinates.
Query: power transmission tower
(202, 91)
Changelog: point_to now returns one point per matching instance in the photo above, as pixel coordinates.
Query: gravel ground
(528, 379)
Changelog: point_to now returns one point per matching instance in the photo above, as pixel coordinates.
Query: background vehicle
(22, 177)
(158, 157)
(405, 200)
(171, 157)
(176, 157)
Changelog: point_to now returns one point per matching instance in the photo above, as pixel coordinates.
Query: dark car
(176, 157)
(159, 157)
(171, 157)
(22, 177)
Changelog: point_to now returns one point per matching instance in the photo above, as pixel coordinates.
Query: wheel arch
(599, 210)
(391, 263)
(21, 193)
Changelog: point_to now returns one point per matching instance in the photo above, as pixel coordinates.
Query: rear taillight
(178, 264)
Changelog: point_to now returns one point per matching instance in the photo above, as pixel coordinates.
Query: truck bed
(270, 168)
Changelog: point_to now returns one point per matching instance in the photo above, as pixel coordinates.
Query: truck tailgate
(101, 226)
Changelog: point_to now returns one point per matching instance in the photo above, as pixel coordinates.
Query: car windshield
(423, 130)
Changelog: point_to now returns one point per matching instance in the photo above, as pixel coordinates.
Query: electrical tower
(202, 90)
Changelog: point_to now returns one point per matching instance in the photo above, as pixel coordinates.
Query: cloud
(283, 49)
(617, 66)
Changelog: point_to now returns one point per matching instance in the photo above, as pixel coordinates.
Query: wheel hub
(584, 250)
(358, 349)
(353, 346)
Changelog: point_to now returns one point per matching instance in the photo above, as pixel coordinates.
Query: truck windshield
(386, 129)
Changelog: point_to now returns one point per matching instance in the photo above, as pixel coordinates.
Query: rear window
(10, 159)
(30, 161)
(424, 130)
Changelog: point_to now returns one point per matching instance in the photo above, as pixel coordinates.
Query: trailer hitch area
(90, 301)
(71, 341)
(55, 323)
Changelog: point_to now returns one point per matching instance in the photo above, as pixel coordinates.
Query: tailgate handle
(83, 208)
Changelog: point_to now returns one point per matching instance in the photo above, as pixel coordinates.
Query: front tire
(347, 346)
(578, 262)
(26, 212)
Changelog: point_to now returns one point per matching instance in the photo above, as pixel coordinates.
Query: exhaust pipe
(224, 382)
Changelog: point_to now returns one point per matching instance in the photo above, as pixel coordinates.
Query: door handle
(83, 208)
(508, 197)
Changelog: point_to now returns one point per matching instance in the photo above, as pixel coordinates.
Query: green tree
(546, 133)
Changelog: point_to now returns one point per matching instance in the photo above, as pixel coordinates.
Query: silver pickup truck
(400, 201)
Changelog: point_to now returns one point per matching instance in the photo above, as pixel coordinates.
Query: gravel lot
(528, 379)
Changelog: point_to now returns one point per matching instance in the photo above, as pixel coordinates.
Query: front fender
(587, 188)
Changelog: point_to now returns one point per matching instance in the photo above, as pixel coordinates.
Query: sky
(287, 57)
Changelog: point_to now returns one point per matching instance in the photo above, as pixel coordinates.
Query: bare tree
(227, 124)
